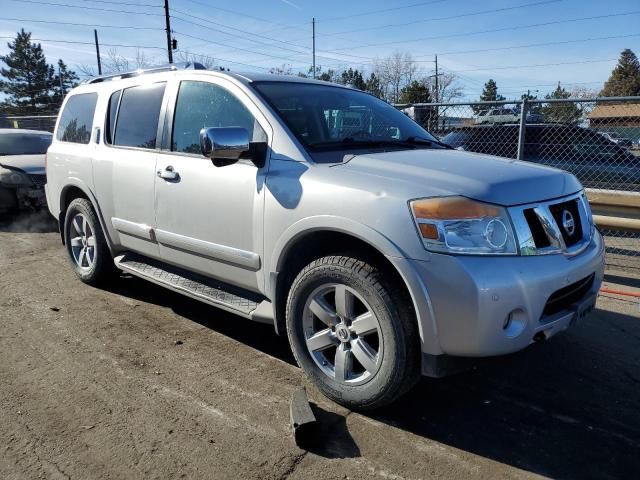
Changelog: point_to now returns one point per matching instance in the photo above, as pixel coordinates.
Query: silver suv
(380, 252)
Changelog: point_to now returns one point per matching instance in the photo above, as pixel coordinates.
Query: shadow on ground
(568, 408)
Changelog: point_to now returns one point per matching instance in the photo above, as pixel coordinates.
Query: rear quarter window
(76, 118)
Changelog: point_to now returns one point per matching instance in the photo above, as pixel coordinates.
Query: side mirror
(224, 146)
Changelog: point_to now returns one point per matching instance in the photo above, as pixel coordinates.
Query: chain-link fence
(31, 122)
(598, 140)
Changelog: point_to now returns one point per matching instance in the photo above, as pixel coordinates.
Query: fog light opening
(514, 323)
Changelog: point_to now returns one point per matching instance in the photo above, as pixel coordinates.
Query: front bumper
(485, 306)
(19, 198)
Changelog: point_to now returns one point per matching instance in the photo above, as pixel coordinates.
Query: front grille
(569, 210)
(540, 237)
(39, 180)
(565, 297)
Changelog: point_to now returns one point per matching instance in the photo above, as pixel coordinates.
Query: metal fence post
(523, 127)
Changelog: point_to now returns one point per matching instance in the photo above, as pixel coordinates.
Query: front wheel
(353, 333)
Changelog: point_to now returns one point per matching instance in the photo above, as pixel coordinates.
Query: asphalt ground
(134, 381)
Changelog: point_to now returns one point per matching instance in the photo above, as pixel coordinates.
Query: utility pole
(95, 34)
(168, 28)
(313, 27)
(437, 92)
(61, 82)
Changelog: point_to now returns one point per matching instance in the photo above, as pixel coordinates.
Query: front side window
(77, 118)
(206, 105)
(138, 115)
(324, 117)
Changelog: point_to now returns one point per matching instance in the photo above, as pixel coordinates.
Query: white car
(22, 169)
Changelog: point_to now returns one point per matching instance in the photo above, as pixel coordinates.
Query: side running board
(226, 297)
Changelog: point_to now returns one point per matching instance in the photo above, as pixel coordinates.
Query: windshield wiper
(424, 141)
(411, 142)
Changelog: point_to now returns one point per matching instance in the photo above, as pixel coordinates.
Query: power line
(224, 60)
(206, 40)
(88, 43)
(124, 3)
(75, 24)
(517, 67)
(66, 5)
(436, 19)
(530, 45)
(247, 36)
(383, 10)
(502, 29)
(245, 15)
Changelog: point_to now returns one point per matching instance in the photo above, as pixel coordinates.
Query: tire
(89, 254)
(337, 297)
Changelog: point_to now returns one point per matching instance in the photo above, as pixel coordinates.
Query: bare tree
(448, 87)
(117, 63)
(206, 61)
(395, 72)
(284, 69)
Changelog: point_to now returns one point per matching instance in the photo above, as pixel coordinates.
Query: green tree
(26, 75)
(415, 92)
(489, 94)
(560, 112)
(61, 80)
(625, 77)
(353, 78)
(373, 86)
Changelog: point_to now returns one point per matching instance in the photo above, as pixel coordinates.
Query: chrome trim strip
(524, 236)
(139, 230)
(234, 256)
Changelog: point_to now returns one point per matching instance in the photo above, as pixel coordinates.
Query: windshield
(24, 143)
(325, 117)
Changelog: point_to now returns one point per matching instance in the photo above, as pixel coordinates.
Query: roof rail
(143, 71)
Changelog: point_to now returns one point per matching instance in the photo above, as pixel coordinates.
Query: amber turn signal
(452, 208)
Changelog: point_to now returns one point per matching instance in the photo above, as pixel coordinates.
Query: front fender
(394, 253)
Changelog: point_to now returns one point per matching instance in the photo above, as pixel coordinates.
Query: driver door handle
(168, 173)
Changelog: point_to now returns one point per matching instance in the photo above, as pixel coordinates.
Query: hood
(32, 164)
(481, 177)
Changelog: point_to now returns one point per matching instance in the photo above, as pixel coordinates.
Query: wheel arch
(77, 189)
(317, 237)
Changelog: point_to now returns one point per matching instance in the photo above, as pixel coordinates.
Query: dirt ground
(134, 381)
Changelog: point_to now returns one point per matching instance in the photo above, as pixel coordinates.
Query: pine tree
(373, 86)
(61, 80)
(560, 112)
(353, 78)
(415, 92)
(625, 77)
(489, 94)
(25, 78)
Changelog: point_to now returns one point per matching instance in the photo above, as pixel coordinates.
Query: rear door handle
(168, 173)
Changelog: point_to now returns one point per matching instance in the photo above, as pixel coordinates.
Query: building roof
(620, 110)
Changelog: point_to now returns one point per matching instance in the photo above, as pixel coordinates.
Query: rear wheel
(352, 333)
(87, 249)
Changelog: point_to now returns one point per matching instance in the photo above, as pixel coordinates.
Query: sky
(521, 44)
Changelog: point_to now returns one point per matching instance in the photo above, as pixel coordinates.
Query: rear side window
(138, 115)
(77, 118)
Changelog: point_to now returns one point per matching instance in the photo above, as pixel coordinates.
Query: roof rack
(143, 71)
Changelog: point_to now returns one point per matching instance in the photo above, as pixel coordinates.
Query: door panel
(209, 219)
(125, 166)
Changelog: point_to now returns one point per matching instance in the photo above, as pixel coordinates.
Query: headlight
(460, 225)
(13, 177)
